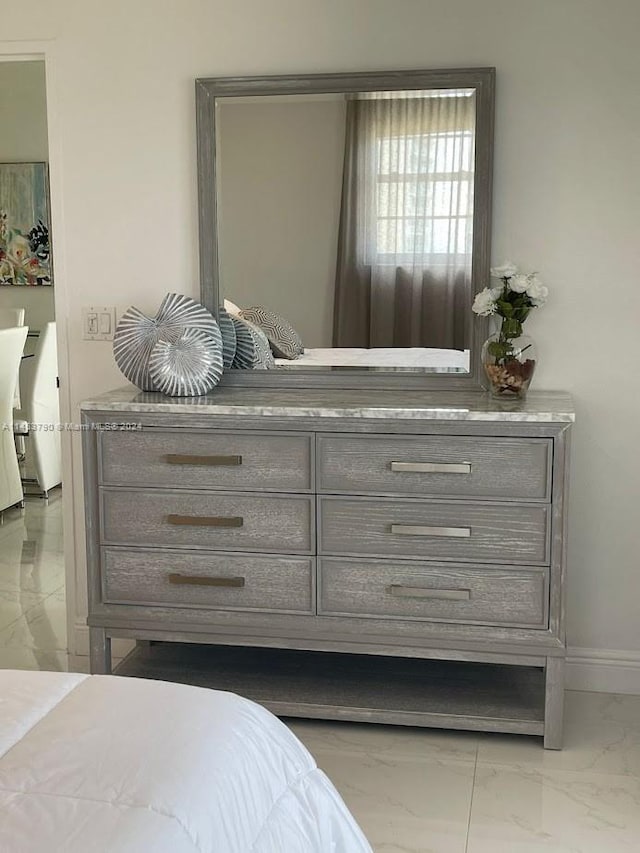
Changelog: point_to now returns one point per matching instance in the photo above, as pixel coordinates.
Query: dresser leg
(99, 652)
(554, 703)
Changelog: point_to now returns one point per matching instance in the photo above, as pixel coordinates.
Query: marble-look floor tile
(38, 582)
(22, 545)
(37, 516)
(531, 810)
(18, 657)
(9, 518)
(43, 627)
(384, 741)
(15, 603)
(41, 580)
(30, 565)
(13, 546)
(33, 631)
(602, 735)
(404, 805)
(618, 708)
(37, 513)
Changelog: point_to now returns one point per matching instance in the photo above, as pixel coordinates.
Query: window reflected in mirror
(349, 217)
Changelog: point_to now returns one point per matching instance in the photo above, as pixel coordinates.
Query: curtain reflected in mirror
(405, 236)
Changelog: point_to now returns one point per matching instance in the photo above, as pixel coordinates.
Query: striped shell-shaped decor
(283, 338)
(252, 347)
(188, 367)
(137, 335)
(178, 312)
(228, 331)
(133, 340)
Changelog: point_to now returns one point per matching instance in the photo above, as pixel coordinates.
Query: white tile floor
(417, 790)
(33, 631)
(410, 789)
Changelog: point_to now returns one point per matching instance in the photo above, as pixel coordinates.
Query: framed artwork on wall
(25, 250)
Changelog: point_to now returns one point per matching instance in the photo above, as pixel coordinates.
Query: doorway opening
(32, 578)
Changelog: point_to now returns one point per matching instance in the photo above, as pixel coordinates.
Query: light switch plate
(98, 323)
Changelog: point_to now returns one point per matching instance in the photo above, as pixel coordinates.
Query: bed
(438, 360)
(125, 765)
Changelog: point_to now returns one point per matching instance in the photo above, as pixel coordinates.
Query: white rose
(507, 269)
(485, 301)
(519, 283)
(18, 249)
(536, 291)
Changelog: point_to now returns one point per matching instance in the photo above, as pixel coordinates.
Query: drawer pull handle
(402, 591)
(422, 530)
(206, 520)
(197, 580)
(212, 461)
(432, 467)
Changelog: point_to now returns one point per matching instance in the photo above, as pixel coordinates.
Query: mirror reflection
(350, 216)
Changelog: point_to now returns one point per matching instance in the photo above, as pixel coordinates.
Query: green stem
(503, 339)
(506, 341)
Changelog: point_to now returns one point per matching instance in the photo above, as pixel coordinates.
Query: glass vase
(509, 364)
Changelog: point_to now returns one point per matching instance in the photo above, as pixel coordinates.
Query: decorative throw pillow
(231, 307)
(228, 332)
(252, 347)
(285, 341)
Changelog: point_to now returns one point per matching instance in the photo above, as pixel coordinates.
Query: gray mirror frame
(482, 79)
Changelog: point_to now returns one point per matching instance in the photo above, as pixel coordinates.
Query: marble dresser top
(538, 407)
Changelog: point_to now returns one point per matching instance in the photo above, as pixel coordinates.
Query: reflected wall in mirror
(359, 214)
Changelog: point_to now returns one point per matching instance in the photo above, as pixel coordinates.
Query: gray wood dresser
(366, 555)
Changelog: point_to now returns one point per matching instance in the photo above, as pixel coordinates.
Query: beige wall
(23, 112)
(281, 180)
(38, 303)
(566, 197)
(23, 137)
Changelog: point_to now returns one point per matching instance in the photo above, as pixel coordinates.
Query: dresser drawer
(224, 522)
(451, 530)
(210, 581)
(207, 460)
(436, 465)
(443, 593)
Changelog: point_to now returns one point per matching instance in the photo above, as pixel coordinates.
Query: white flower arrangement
(508, 370)
(513, 299)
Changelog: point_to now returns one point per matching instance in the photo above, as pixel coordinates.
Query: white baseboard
(594, 670)
(603, 670)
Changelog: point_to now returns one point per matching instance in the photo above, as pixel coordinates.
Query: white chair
(11, 348)
(41, 408)
(9, 319)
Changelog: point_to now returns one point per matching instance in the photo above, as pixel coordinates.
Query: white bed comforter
(101, 763)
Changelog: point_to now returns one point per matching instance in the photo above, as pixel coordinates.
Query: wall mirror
(356, 207)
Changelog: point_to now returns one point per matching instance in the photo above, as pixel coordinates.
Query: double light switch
(98, 323)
